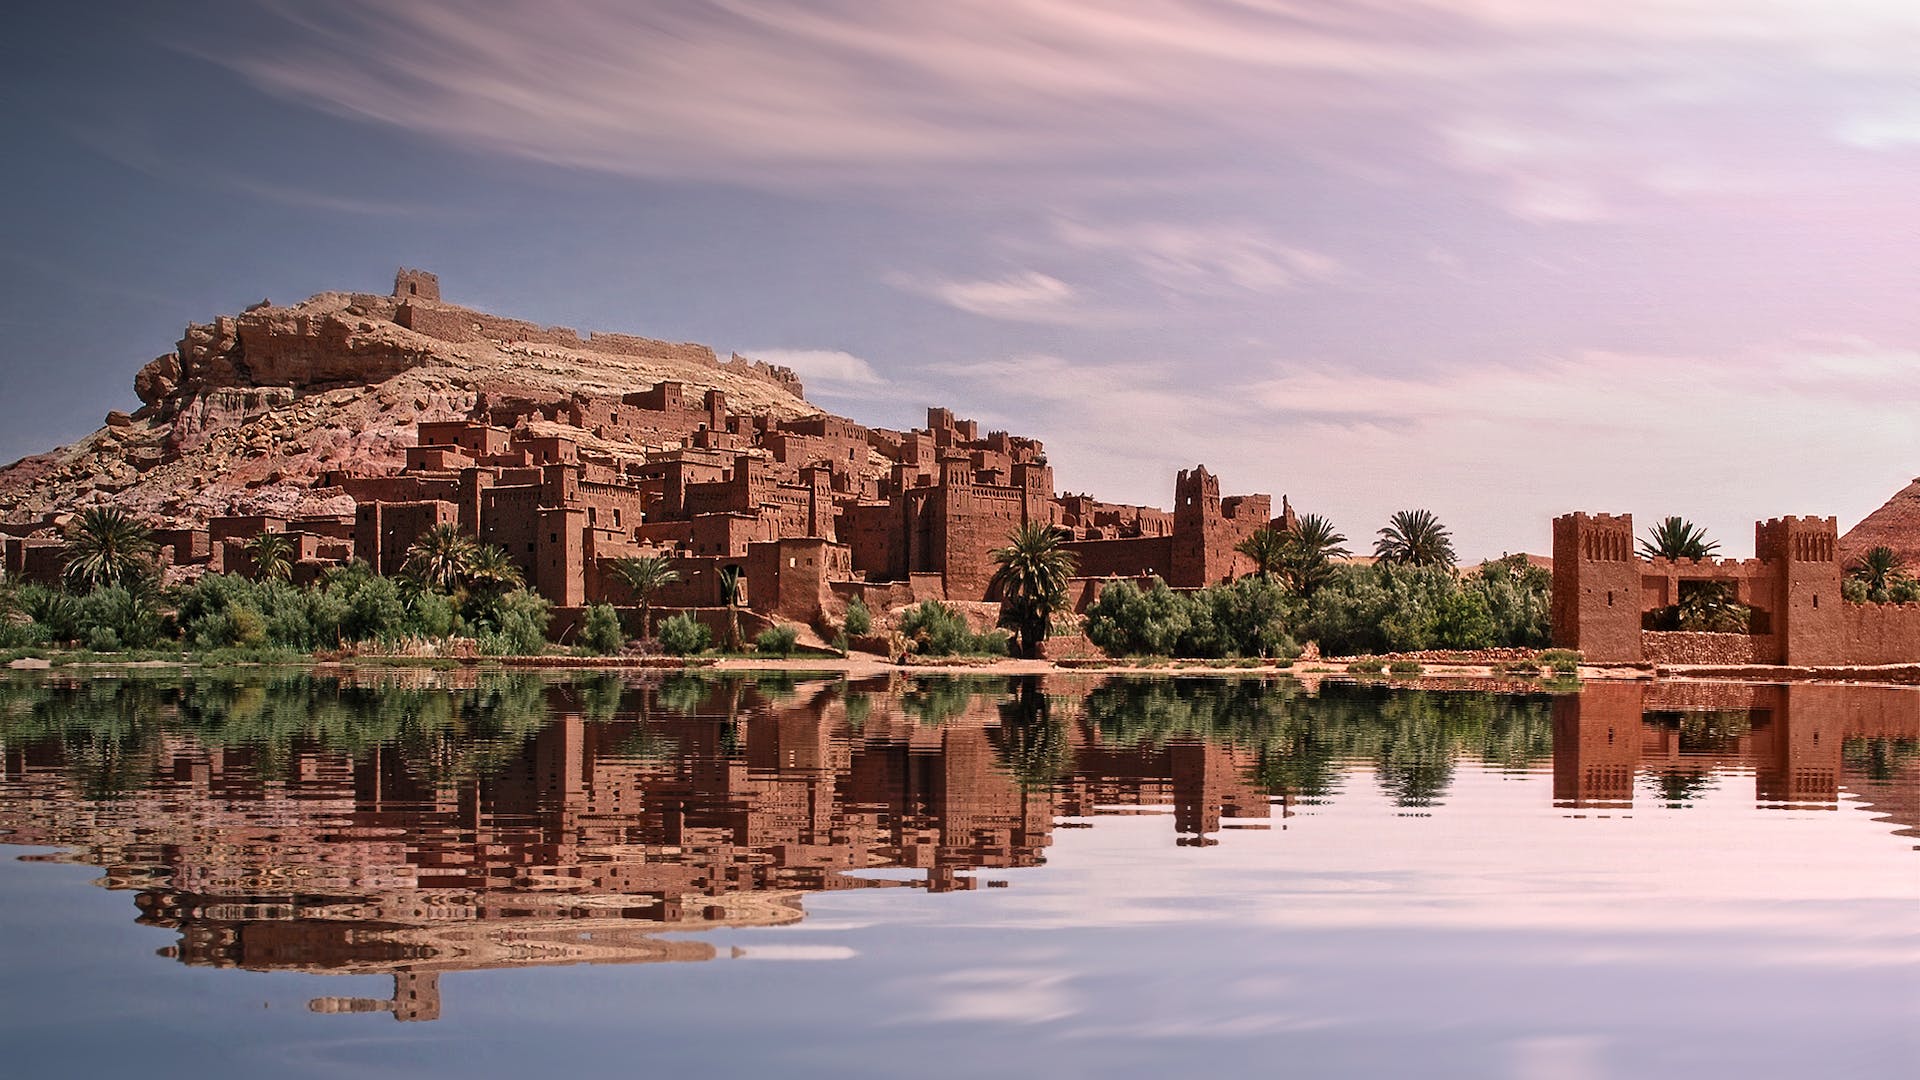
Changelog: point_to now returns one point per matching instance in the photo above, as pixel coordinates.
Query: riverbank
(1413, 672)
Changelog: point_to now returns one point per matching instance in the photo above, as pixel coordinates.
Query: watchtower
(1197, 530)
(415, 285)
(1596, 587)
(1807, 615)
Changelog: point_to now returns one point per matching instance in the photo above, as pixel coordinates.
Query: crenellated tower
(1596, 587)
(1806, 601)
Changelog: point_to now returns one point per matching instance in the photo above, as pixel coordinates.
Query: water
(453, 874)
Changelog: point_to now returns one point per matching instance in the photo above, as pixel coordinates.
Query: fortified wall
(1603, 591)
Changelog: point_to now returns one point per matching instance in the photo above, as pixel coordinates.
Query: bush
(431, 615)
(1126, 620)
(1387, 608)
(56, 616)
(124, 614)
(776, 640)
(516, 626)
(1250, 617)
(859, 620)
(934, 629)
(684, 635)
(1561, 661)
(600, 631)
(1366, 667)
(1406, 668)
(1247, 617)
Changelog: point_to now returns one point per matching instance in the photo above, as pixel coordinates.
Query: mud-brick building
(1604, 593)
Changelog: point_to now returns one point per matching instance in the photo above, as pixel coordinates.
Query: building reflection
(584, 822)
(586, 841)
(1792, 738)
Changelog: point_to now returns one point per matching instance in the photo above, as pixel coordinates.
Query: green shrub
(1126, 620)
(1519, 669)
(129, 614)
(935, 629)
(56, 615)
(516, 626)
(684, 635)
(600, 631)
(102, 639)
(1561, 661)
(375, 610)
(1405, 668)
(1366, 667)
(431, 615)
(776, 640)
(859, 620)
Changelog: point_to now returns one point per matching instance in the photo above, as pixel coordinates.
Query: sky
(1501, 259)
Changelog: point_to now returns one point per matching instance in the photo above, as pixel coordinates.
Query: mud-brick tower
(1804, 554)
(1596, 587)
(1035, 481)
(1200, 544)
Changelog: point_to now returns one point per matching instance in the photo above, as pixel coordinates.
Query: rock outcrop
(250, 412)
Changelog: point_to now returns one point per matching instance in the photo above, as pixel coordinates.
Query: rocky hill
(249, 412)
(1895, 525)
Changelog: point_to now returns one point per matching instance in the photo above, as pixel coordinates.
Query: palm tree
(1031, 581)
(1878, 569)
(643, 577)
(1415, 538)
(271, 555)
(1267, 548)
(491, 570)
(441, 558)
(1711, 606)
(1677, 538)
(105, 546)
(1312, 545)
(731, 582)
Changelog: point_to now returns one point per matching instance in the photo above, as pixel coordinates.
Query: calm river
(452, 874)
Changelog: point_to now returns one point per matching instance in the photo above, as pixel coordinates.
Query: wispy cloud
(1202, 258)
(830, 367)
(950, 94)
(1025, 296)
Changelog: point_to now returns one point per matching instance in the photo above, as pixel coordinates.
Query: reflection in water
(429, 822)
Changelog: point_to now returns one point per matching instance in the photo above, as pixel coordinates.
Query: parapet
(1593, 538)
(1801, 539)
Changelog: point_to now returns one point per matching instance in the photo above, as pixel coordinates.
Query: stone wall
(1688, 647)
